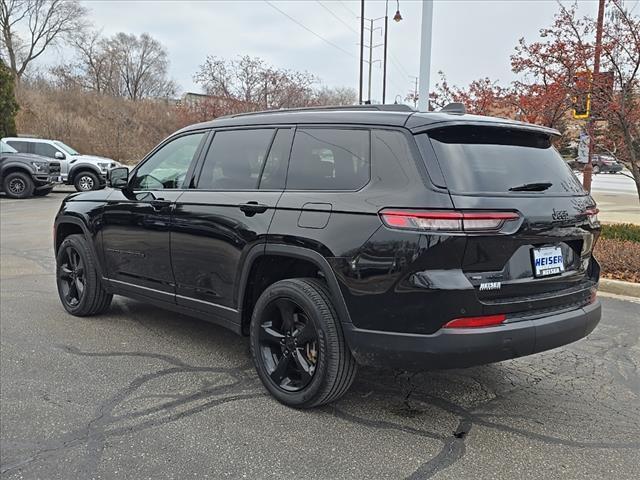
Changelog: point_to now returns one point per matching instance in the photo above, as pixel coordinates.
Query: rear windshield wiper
(531, 187)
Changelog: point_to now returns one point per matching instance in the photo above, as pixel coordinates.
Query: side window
(274, 173)
(45, 150)
(22, 147)
(235, 159)
(167, 168)
(329, 159)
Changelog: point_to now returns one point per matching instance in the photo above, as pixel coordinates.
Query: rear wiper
(531, 187)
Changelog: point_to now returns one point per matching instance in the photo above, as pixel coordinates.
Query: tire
(334, 368)
(92, 298)
(86, 181)
(596, 169)
(42, 192)
(18, 185)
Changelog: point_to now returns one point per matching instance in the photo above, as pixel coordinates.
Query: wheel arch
(302, 261)
(66, 225)
(15, 167)
(83, 167)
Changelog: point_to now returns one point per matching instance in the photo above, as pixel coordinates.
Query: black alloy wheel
(79, 283)
(288, 345)
(18, 185)
(72, 277)
(297, 344)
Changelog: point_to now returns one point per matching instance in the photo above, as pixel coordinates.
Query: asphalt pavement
(142, 393)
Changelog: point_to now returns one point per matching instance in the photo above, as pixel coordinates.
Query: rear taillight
(476, 322)
(446, 220)
(592, 215)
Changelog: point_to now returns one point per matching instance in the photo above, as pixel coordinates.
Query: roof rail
(392, 107)
(454, 107)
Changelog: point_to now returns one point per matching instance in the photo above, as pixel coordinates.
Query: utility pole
(425, 55)
(588, 168)
(361, 50)
(416, 96)
(370, 58)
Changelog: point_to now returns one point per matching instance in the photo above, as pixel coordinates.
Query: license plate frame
(547, 261)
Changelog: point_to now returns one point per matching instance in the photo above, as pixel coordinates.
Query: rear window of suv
(496, 159)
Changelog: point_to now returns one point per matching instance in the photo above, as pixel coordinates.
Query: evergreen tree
(8, 104)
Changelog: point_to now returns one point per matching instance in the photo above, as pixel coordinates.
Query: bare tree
(251, 81)
(336, 96)
(46, 22)
(121, 66)
(142, 66)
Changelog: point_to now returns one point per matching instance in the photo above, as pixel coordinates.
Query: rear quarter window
(496, 159)
(22, 147)
(329, 159)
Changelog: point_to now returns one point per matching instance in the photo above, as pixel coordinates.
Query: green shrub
(621, 231)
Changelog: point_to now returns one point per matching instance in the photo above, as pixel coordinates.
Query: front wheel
(298, 346)
(79, 286)
(18, 185)
(86, 181)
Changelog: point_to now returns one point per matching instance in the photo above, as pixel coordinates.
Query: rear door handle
(251, 208)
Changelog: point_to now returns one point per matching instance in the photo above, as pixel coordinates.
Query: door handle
(159, 203)
(251, 208)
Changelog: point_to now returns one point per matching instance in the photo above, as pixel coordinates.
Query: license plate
(547, 261)
(56, 179)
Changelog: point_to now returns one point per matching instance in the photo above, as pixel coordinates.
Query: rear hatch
(542, 260)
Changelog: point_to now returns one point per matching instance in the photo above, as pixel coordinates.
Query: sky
(471, 38)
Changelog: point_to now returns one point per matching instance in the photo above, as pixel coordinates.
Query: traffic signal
(582, 97)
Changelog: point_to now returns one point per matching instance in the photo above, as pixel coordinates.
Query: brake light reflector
(455, 221)
(475, 322)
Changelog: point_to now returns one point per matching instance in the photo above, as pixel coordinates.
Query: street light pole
(384, 63)
(370, 58)
(425, 55)
(361, 50)
(588, 168)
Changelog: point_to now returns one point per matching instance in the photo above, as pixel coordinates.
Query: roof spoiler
(456, 108)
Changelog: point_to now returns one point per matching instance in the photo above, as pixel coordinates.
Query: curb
(619, 287)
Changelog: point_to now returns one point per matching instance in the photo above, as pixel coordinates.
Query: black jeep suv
(337, 237)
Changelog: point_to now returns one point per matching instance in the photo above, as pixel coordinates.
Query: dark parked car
(24, 175)
(601, 164)
(337, 237)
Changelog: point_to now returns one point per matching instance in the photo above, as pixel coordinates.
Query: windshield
(501, 160)
(6, 148)
(66, 148)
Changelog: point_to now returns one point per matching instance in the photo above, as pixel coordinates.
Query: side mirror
(118, 177)
(59, 155)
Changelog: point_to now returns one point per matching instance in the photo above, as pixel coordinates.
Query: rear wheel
(79, 286)
(596, 169)
(18, 185)
(298, 346)
(86, 181)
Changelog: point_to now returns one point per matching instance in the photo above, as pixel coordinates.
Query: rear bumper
(457, 348)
